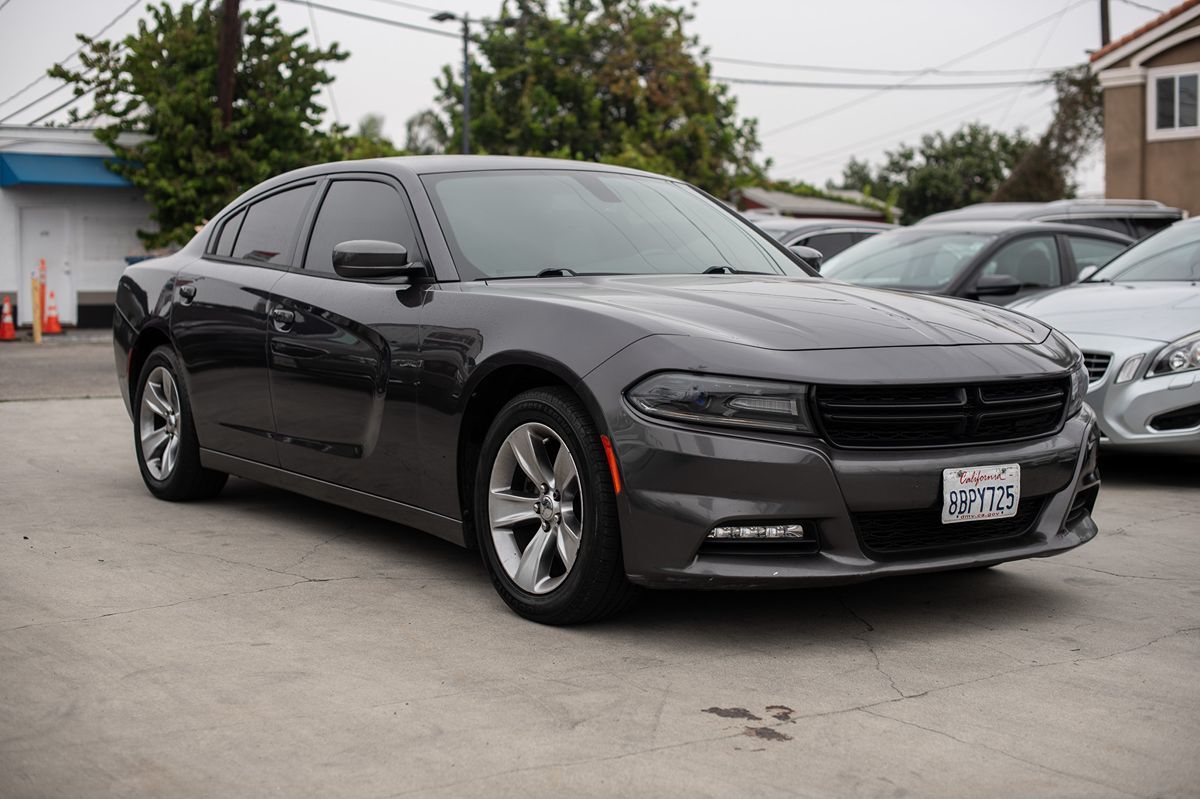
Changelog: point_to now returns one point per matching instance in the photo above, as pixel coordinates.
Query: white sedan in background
(1137, 321)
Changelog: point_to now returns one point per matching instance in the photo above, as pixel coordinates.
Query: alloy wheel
(160, 422)
(535, 508)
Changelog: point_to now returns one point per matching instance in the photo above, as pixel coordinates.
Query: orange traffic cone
(8, 331)
(52, 325)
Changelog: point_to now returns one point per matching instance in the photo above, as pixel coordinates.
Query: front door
(343, 352)
(44, 237)
(219, 322)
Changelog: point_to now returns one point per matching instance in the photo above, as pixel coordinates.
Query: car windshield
(519, 223)
(917, 259)
(1173, 254)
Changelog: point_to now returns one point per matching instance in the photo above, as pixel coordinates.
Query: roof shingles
(1166, 16)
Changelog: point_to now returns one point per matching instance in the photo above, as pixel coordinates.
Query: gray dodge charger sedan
(601, 379)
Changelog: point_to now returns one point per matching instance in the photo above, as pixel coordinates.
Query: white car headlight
(1178, 356)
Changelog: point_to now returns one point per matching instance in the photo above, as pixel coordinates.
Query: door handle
(282, 319)
(187, 293)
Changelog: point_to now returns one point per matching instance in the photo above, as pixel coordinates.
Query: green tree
(162, 81)
(368, 140)
(618, 81)
(1048, 168)
(942, 173)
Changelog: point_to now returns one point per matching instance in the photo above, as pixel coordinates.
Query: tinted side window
(358, 209)
(830, 244)
(1033, 261)
(1143, 227)
(1092, 252)
(229, 231)
(269, 229)
(1104, 223)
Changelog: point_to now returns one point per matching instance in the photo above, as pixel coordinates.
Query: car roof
(1134, 208)
(995, 227)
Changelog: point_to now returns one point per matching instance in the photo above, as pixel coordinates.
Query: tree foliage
(1047, 170)
(943, 172)
(618, 81)
(162, 81)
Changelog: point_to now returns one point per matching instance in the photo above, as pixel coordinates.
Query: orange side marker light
(612, 463)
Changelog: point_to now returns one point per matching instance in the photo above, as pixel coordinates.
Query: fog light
(1129, 369)
(759, 532)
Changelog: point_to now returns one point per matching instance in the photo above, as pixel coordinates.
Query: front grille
(919, 531)
(891, 417)
(1180, 419)
(1097, 364)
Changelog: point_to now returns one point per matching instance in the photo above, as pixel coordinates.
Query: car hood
(1156, 311)
(782, 313)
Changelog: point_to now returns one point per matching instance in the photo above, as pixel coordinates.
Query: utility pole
(229, 45)
(1105, 35)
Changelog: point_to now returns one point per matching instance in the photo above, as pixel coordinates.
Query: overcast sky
(391, 71)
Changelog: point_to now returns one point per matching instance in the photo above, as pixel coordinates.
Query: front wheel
(546, 512)
(168, 452)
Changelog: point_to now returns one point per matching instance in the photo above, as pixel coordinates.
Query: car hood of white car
(1151, 310)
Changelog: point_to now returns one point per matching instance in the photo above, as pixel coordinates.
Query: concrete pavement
(263, 643)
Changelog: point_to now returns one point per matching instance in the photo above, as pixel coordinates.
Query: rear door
(219, 321)
(1034, 261)
(343, 352)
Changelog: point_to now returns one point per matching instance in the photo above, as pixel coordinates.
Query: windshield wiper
(729, 270)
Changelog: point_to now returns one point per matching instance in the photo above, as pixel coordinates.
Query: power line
(888, 86)
(412, 6)
(312, 18)
(58, 108)
(372, 18)
(976, 51)
(1041, 51)
(750, 62)
(836, 153)
(1142, 6)
(71, 55)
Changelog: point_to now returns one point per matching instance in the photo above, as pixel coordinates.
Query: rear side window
(358, 209)
(269, 229)
(1148, 226)
(829, 244)
(229, 231)
(1088, 251)
(1033, 261)
(1104, 223)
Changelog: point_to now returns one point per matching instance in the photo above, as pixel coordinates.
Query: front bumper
(681, 481)
(1127, 412)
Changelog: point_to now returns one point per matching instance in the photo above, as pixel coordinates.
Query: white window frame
(1152, 76)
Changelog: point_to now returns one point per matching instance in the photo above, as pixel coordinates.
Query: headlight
(727, 401)
(1178, 356)
(1079, 386)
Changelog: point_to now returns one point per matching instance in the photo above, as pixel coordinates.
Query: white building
(58, 201)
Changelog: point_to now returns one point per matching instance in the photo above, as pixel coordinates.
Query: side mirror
(809, 255)
(368, 258)
(996, 286)
(1086, 271)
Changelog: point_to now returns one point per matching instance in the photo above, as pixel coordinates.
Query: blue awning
(33, 169)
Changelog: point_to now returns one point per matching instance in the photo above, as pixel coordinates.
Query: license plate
(975, 493)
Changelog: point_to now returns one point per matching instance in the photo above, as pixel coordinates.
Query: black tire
(187, 479)
(596, 585)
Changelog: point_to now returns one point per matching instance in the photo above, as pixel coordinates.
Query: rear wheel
(546, 511)
(168, 452)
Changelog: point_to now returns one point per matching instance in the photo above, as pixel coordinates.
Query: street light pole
(466, 141)
(449, 16)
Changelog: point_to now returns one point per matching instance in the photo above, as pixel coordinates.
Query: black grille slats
(1096, 364)
(893, 417)
(919, 531)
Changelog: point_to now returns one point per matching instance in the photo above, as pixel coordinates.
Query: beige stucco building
(1150, 79)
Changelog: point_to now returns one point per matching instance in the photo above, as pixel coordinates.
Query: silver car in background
(1137, 321)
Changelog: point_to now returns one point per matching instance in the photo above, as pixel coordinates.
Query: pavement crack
(999, 751)
(317, 546)
(175, 604)
(870, 628)
(1129, 576)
